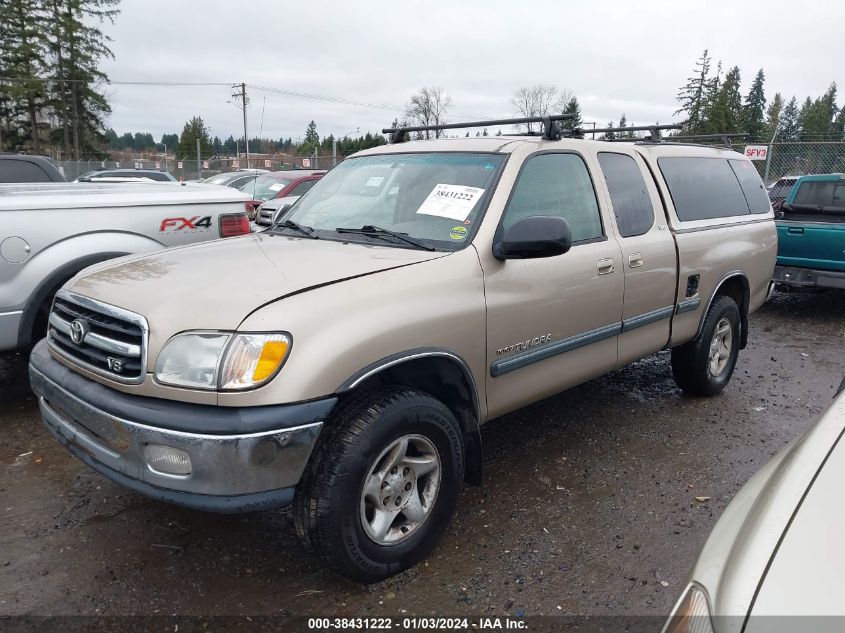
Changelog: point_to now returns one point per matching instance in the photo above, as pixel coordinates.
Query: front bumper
(236, 463)
(808, 278)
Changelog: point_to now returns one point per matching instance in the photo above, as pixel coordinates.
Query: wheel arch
(440, 373)
(734, 285)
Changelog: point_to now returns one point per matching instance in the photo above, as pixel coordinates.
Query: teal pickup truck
(811, 233)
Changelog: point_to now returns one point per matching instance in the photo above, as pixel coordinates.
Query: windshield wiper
(305, 230)
(377, 231)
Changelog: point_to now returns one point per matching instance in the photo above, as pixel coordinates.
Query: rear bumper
(228, 470)
(807, 277)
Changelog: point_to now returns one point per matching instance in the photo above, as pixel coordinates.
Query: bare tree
(429, 106)
(539, 100)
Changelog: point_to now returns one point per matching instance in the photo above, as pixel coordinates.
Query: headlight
(691, 614)
(220, 360)
(191, 360)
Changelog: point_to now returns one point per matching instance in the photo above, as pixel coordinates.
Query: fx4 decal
(178, 224)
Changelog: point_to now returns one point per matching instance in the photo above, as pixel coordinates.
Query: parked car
(53, 231)
(417, 291)
(127, 175)
(777, 549)
(811, 233)
(20, 168)
(280, 184)
(780, 189)
(270, 210)
(235, 179)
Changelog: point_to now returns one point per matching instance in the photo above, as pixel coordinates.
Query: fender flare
(742, 312)
(49, 285)
(471, 429)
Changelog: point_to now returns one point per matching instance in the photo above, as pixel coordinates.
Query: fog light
(167, 460)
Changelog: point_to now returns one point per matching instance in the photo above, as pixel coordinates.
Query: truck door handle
(605, 266)
(795, 229)
(635, 260)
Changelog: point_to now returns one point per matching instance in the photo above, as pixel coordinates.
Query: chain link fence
(191, 169)
(779, 159)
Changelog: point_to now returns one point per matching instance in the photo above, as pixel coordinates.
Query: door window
(557, 185)
(628, 194)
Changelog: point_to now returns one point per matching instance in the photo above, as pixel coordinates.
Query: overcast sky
(621, 56)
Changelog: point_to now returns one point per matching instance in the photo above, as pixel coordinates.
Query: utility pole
(239, 92)
(199, 162)
(769, 154)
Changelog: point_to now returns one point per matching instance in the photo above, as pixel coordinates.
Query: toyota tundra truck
(50, 232)
(418, 290)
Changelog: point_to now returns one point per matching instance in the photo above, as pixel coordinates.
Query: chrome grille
(99, 337)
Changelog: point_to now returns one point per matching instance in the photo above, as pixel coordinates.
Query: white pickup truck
(50, 232)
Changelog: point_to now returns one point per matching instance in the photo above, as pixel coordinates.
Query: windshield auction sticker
(450, 201)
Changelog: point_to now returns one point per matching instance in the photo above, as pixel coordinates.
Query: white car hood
(806, 577)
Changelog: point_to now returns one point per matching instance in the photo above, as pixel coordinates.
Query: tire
(357, 461)
(693, 367)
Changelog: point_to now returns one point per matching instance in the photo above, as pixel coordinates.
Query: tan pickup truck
(415, 292)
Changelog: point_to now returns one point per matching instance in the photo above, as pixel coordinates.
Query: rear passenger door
(649, 259)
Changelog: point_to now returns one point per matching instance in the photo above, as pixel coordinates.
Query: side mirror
(281, 211)
(533, 237)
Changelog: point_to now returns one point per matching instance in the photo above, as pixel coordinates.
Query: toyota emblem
(78, 330)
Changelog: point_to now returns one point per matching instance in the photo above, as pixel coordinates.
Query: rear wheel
(704, 366)
(382, 485)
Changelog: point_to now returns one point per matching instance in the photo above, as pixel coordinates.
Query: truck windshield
(432, 198)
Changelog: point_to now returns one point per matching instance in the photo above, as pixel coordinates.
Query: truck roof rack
(655, 130)
(552, 129)
(724, 137)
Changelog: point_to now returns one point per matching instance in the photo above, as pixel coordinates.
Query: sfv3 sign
(757, 152)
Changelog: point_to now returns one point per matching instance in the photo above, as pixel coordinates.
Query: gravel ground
(588, 504)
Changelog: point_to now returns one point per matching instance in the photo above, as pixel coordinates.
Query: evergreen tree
(171, 140)
(127, 141)
(839, 125)
(754, 108)
(789, 121)
(217, 145)
(78, 47)
(113, 139)
(725, 115)
(773, 115)
(817, 117)
(574, 108)
(609, 136)
(187, 146)
(710, 104)
(23, 50)
(692, 96)
(311, 135)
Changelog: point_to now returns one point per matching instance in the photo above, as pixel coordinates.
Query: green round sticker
(458, 233)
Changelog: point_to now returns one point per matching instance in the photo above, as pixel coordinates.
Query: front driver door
(553, 322)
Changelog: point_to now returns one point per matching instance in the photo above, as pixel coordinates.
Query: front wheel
(704, 366)
(382, 485)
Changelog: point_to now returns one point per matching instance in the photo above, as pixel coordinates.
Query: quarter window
(751, 185)
(702, 188)
(556, 185)
(628, 194)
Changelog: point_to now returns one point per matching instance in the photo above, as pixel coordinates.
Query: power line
(282, 91)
